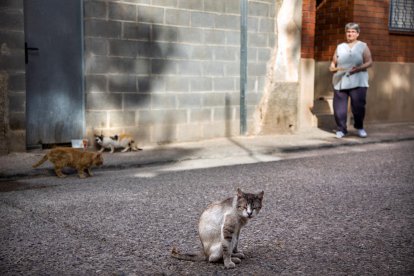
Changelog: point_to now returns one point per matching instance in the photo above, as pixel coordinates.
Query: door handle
(26, 52)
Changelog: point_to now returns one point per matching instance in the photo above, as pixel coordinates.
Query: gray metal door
(54, 71)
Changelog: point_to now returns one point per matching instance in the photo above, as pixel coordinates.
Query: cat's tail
(41, 161)
(187, 256)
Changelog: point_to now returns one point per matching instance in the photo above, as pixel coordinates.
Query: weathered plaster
(278, 109)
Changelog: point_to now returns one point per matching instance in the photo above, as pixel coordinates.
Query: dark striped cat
(219, 229)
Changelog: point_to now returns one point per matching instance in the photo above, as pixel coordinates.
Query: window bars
(401, 18)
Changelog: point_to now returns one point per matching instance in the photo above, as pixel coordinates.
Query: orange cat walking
(68, 157)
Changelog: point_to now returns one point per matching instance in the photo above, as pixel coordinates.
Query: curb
(367, 141)
(119, 165)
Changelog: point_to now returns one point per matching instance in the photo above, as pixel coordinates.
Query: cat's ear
(239, 192)
(260, 195)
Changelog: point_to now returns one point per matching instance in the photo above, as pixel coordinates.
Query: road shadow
(12, 186)
(228, 110)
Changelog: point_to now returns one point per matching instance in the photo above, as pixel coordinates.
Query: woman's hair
(353, 26)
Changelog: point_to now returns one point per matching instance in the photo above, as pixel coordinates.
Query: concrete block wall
(12, 70)
(168, 70)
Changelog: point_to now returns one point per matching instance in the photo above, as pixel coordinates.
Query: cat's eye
(242, 207)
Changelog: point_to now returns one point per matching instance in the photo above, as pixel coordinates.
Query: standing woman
(350, 63)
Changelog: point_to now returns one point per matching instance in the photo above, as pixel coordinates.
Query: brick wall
(308, 28)
(391, 80)
(372, 16)
(169, 70)
(13, 70)
(331, 17)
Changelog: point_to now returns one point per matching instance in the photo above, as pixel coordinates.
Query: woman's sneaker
(362, 133)
(340, 134)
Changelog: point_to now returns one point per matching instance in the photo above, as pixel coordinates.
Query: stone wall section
(12, 79)
(168, 70)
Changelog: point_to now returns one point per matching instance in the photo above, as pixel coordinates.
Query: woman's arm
(334, 62)
(367, 59)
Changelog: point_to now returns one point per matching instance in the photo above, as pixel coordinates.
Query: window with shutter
(401, 17)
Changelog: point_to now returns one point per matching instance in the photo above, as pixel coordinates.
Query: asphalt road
(343, 211)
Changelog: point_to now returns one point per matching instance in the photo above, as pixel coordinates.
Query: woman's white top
(347, 58)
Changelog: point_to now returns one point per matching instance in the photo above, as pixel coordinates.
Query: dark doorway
(54, 71)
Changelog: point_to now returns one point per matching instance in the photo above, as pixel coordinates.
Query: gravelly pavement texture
(339, 214)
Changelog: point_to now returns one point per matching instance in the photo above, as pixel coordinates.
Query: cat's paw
(229, 265)
(235, 260)
(238, 255)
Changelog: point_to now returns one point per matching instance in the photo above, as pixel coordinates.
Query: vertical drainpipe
(243, 63)
(82, 7)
